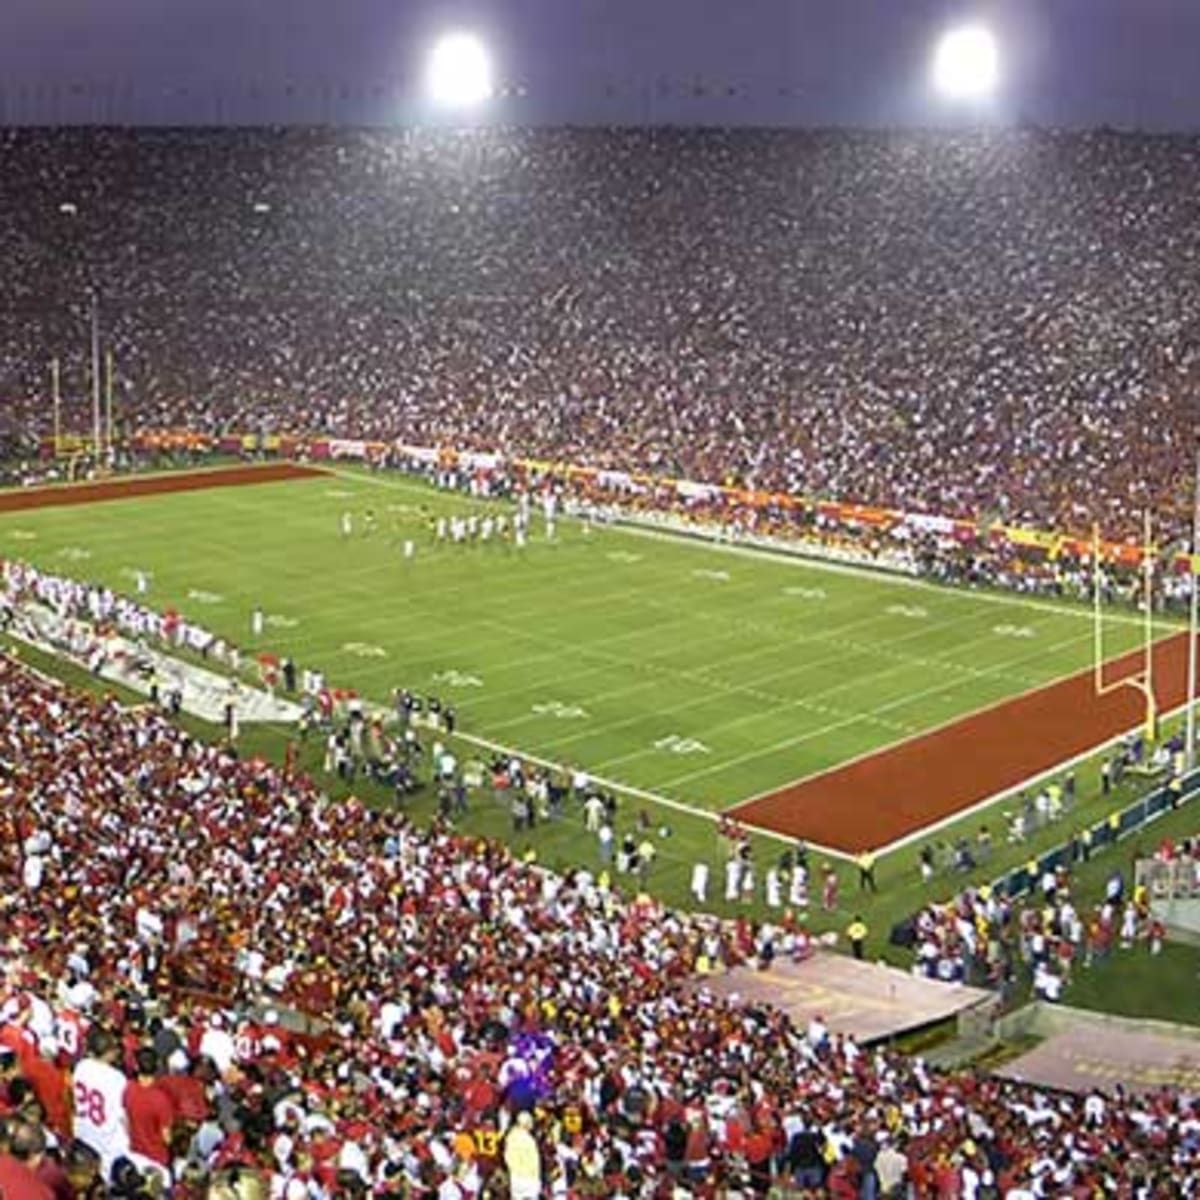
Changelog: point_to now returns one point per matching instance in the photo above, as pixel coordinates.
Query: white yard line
(753, 687)
(678, 806)
(787, 743)
(797, 559)
(932, 730)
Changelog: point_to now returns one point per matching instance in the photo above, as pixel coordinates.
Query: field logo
(22, 535)
(623, 556)
(715, 576)
(202, 597)
(457, 679)
(1014, 631)
(563, 712)
(914, 612)
(75, 553)
(279, 621)
(364, 650)
(674, 744)
(805, 593)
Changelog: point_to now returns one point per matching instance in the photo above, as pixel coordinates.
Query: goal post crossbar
(1143, 678)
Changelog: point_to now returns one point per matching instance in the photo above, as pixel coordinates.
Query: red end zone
(126, 488)
(871, 802)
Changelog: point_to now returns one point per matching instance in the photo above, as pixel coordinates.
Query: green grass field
(688, 671)
(778, 667)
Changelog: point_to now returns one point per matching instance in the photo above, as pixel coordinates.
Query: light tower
(459, 71)
(966, 63)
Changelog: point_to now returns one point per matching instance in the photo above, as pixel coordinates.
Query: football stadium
(600, 605)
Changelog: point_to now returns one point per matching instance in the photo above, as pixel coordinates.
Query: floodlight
(966, 63)
(460, 71)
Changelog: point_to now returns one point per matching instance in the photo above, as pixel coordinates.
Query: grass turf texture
(277, 545)
(699, 675)
(778, 668)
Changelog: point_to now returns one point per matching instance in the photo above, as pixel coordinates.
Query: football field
(701, 674)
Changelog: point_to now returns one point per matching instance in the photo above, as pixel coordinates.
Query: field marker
(74, 553)
(363, 650)
(279, 621)
(563, 712)
(22, 535)
(716, 576)
(914, 612)
(457, 679)
(681, 745)
(200, 596)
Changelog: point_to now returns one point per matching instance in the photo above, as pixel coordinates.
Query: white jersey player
(98, 1095)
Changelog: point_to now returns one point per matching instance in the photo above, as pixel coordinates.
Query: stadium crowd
(333, 1002)
(985, 323)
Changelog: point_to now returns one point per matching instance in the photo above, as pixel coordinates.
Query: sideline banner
(841, 512)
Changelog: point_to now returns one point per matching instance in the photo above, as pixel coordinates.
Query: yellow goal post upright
(1143, 678)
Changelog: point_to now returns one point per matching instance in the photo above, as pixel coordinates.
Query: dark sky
(1129, 63)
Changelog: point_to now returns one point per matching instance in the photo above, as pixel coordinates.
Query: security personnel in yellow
(856, 934)
(866, 871)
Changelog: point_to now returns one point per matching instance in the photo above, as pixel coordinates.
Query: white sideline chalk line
(706, 814)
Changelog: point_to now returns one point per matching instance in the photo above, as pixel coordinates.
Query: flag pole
(1190, 737)
(1148, 567)
(95, 323)
(57, 406)
(108, 399)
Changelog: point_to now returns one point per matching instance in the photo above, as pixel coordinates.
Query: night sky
(1127, 63)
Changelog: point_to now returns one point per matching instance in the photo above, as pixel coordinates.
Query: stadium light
(966, 63)
(459, 74)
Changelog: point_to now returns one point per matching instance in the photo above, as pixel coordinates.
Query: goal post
(1143, 678)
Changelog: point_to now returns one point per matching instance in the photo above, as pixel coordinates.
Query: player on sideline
(256, 621)
(347, 525)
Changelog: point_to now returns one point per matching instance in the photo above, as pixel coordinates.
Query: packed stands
(347, 1005)
(992, 323)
